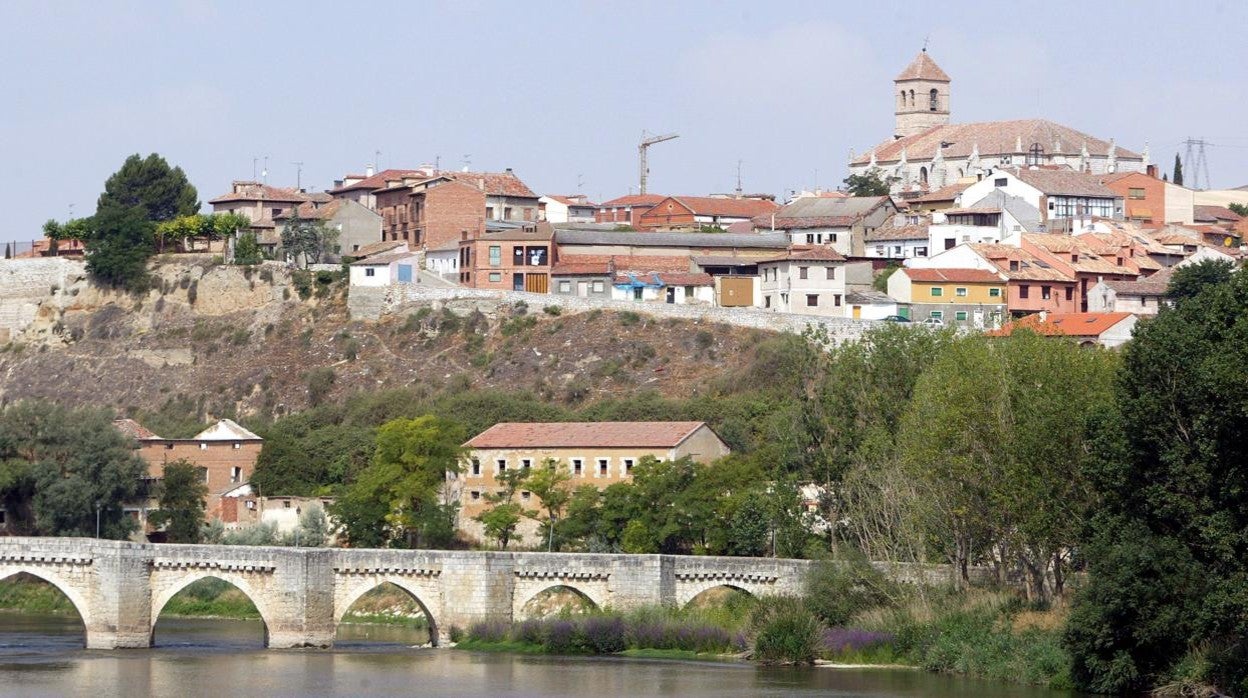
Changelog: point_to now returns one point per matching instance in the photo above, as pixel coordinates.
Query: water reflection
(44, 656)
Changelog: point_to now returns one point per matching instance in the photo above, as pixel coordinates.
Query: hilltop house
(840, 222)
(965, 297)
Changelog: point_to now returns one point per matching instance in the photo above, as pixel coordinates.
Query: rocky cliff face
(231, 341)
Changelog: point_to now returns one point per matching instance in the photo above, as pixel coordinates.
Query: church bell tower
(921, 94)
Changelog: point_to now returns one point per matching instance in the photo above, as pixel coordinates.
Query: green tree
(1167, 543)
(1238, 209)
(549, 483)
(246, 250)
(1177, 177)
(120, 245)
(1188, 281)
(397, 498)
(60, 469)
(182, 492)
(308, 241)
(503, 516)
(162, 192)
(870, 183)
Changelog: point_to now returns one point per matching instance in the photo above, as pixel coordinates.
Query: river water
(43, 656)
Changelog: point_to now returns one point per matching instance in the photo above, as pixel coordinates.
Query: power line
(1196, 161)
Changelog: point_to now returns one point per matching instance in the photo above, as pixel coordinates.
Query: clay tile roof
(378, 180)
(226, 430)
(1065, 182)
(923, 68)
(1030, 268)
(993, 138)
(377, 248)
(946, 193)
(1067, 324)
(312, 211)
(585, 435)
(813, 212)
(898, 232)
(493, 183)
(649, 263)
(958, 276)
(384, 258)
(633, 200)
(580, 268)
(1154, 285)
(719, 206)
(134, 430)
(255, 191)
(818, 253)
(1214, 214)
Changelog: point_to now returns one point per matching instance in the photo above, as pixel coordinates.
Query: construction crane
(646, 142)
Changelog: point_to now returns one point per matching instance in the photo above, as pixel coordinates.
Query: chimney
(508, 170)
(1152, 171)
(368, 171)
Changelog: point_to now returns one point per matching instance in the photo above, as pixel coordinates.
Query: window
(933, 100)
(526, 463)
(920, 252)
(476, 466)
(836, 299)
(502, 465)
(237, 445)
(496, 255)
(937, 292)
(831, 273)
(506, 213)
(1001, 182)
(496, 277)
(879, 249)
(1013, 265)
(1135, 193)
(1024, 291)
(960, 316)
(766, 301)
(489, 213)
(960, 292)
(578, 467)
(599, 286)
(802, 272)
(1046, 292)
(994, 293)
(475, 494)
(602, 467)
(1070, 293)
(369, 271)
(277, 212)
(565, 286)
(897, 249)
(236, 474)
(938, 314)
(203, 447)
(517, 256)
(525, 495)
(810, 238)
(637, 294)
(628, 466)
(812, 300)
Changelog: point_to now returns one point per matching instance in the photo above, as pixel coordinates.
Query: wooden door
(537, 283)
(736, 291)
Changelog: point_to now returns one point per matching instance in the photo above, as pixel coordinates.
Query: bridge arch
(161, 596)
(346, 600)
(696, 595)
(61, 585)
(526, 596)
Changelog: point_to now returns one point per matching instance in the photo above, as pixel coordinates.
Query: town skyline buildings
(561, 93)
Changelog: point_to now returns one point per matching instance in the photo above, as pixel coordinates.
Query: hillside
(233, 341)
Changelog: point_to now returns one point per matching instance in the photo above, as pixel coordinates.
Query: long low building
(592, 453)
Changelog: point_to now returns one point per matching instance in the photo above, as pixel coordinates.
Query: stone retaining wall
(374, 303)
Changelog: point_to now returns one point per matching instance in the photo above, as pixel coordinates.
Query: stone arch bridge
(119, 588)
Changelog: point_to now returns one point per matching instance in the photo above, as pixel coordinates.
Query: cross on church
(925, 40)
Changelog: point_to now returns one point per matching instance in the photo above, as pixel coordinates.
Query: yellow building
(970, 297)
(595, 453)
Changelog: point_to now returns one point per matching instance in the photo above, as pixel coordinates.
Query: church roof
(993, 138)
(923, 68)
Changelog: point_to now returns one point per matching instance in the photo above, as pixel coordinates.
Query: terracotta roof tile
(923, 68)
(898, 232)
(1214, 214)
(960, 276)
(1065, 182)
(1065, 324)
(256, 191)
(946, 193)
(633, 200)
(585, 434)
(379, 180)
(720, 206)
(819, 253)
(1029, 267)
(134, 430)
(993, 138)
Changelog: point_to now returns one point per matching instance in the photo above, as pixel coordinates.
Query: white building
(575, 208)
(927, 152)
(806, 281)
(998, 217)
(396, 266)
(680, 288)
(1067, 200)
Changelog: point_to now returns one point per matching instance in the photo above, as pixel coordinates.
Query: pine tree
(1178, 171)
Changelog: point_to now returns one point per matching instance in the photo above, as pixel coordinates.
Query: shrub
(320, 381)
(605, 634)
(488, 631)
(785, 632)
(628, 318)
(562, 636)
(529, 631)
(847, 640)
(553, 310)
(703, 339)
(456, 633)
(836, 591)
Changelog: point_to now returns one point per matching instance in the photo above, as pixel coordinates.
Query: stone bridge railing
(119, 588)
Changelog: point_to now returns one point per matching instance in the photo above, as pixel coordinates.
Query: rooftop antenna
(738, 178)
(467, 161)
(298, 174)
(580, 183)
(377, 160)
(253, 168)
(437, 163)
(925, 40)
(646, 142)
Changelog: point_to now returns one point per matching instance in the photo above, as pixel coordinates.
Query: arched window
(934, 102)
(923, 175)
(903, 99)
(912, 98)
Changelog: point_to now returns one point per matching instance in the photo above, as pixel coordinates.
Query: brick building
(627, 210)
(226, 453)
(694, 212)
(593, 453)
(517, 259)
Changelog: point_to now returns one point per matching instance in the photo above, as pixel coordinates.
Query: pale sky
(561, 92)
